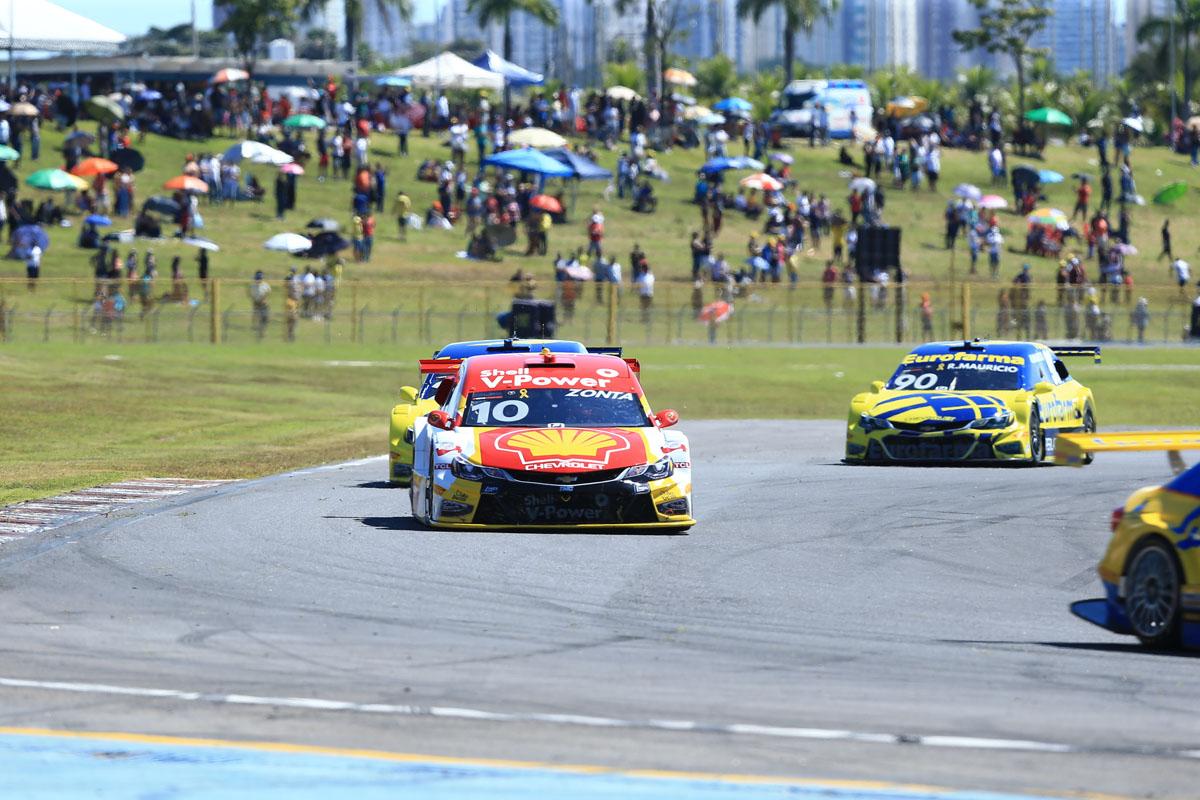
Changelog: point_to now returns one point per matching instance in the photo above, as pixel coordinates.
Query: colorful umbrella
(1047, 216)
(1170, 193)
(782, 158)
(323, 224)
(578, 272)
(292, 169)
(288, 243)
(621, 93)
(1134, 124)
(734, 105)
(906, 106)
(536, 137)
(203, 244)
(547, 203)
(993, 201)
(761, 181)
(186, 183)
(696, 112)
(128, 158)
(98, 219)
(28, 235)
(256, 152)
(304, 121)
(229, 74)
(104, 109)
(8, 154)
(94, 166)
(679, 77)
(1048, 116)
(715, 312)
(1049, 176)
(23, 110)
(162, 205)
(862, 185)
(55, 180)
(327, 243)
(969, 192)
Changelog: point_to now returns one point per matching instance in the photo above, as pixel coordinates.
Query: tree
(253, 23)
(319, 45)
(467, 48)
(176, 41)
(798, 16)
(1007, 26)
(716, 77)
(354, 12)
(1157, 31)
(489, 11)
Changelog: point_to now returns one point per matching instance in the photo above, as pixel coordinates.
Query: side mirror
(1043, 387)
(408, 394)
(444, 390)
(441, 419)
(876, 387)
(666, 418)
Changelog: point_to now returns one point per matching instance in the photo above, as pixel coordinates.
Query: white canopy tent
(42, 25)
(448, 71)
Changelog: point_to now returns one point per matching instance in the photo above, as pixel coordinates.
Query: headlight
(869, 423)
(1002, 420)
(663, 468)
(462, 468)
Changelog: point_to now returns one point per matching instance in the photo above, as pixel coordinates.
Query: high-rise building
(1081, 35)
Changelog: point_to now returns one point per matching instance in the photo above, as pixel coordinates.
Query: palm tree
(489, 11)
(1186, 23)
(798, 15)
(354, 13)
(650, 38)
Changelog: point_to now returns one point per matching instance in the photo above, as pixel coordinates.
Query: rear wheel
(1037, 438)
(1089, 426)
(1152, 594)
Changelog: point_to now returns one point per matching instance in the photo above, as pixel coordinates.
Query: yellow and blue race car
(415, 402)
(1151, 570)
(971, 401)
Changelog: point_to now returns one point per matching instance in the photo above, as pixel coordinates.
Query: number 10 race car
(971, 401)
(545, 441)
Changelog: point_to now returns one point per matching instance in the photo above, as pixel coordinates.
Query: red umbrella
(292, 169)
(716, 312)
(186, 183)
(547, 203)
(94, 166)
(229, 74)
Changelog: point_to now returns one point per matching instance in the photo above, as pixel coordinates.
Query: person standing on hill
(596, 234)
(403, 209)
(1166, 240)
(1083, 196)
(281, 195)
(260, 290)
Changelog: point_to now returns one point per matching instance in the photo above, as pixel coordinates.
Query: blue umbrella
(98, 219)
(1049, 176)
(735, 104)
(721, 164)
(514, 74)
(27, 236)
(530, 160)
(150, 94)
(393, 80)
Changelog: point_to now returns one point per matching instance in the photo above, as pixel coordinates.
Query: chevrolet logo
(567, 478)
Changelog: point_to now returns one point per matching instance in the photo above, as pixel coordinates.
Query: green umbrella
(55, 180)
(303, 121)
(104, 109)
(8, 154)
(1050, 116)
(1170, 193)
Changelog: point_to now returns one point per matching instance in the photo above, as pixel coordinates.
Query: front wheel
(1152, 594)
(1037, 438)
(1089, 426)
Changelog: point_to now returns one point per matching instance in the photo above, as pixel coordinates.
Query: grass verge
(83, 415)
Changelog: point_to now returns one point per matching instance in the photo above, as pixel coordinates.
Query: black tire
(1152, 594)
(429, 491)
(1089, 426)
(1037, 438)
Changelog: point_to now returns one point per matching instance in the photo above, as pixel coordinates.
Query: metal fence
(406, 313)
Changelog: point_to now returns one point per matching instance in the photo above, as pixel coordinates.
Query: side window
(1061, 370)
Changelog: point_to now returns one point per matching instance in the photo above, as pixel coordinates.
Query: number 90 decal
(912, 380)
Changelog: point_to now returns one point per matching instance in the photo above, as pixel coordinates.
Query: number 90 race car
(415, 402)
(548, 441)
(970, 401)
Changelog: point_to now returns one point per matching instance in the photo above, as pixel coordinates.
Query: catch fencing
(426, 313)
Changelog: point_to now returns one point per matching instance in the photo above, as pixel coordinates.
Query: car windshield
(540, 408)
(793, 102)
(959, 376)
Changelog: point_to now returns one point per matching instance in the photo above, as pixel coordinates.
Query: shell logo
(551, 448)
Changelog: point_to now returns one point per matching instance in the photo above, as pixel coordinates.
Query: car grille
(929, 425)
(615, 502)
(941, 448)
(566, 478)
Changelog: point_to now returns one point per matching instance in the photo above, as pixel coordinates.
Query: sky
(134, 17)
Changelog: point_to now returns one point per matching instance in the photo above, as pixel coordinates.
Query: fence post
(214, 322)
(612, 313)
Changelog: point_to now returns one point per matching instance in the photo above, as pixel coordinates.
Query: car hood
(948, 407)
(564, 449)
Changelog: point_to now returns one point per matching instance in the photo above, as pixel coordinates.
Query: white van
(799, 100)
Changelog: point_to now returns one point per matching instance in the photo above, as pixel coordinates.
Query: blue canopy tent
(515, 75)
(733, 105)
(530, 160)
(583, 168)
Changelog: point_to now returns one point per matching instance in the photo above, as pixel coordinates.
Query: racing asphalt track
(813, 598)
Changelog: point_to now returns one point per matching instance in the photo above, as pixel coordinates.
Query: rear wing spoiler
(440, 366)
(604, 350)
(1084, 351)
(1070, 448)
